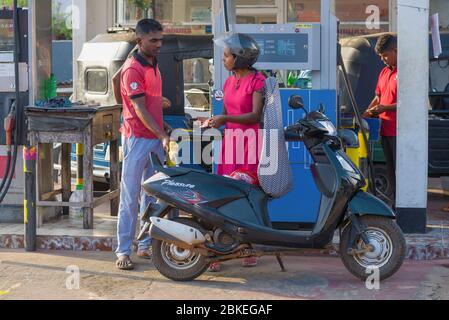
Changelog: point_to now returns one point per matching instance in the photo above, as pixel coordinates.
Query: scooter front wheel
(386, 251)
(176, 263)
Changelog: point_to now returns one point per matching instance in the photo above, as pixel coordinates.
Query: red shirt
(141, 79)
(387, 90)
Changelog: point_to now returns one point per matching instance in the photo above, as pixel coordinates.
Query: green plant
(141, 4)
(142, 7)
(9, 3)
(59, 23)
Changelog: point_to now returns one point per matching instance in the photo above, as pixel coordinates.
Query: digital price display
(289, 46)
(283, 48)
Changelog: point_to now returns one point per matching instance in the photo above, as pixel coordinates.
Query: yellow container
(359, 156)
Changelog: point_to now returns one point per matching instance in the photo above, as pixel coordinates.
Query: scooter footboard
(366, 204)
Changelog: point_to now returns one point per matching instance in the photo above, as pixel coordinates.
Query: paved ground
(44, 276)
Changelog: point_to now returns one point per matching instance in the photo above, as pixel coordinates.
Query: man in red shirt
(384, 104)
(143, 134)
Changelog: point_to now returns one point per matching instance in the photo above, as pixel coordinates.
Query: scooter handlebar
(294, 132)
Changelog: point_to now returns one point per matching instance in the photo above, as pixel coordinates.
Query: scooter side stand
(246, 253)
(281, 263)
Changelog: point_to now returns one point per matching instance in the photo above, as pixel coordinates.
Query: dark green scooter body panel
(233, 199)
(364, 204)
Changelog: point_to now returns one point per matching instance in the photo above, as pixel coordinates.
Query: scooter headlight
(346, 164)
(332, 131)
(354, 174)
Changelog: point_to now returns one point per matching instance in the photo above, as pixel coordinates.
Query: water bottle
(77, 213)
(52, 86)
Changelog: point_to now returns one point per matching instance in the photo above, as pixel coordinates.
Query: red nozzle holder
(9, 127)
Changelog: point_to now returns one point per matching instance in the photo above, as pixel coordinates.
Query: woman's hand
(217, 122)
(205, 122)
(202, 121)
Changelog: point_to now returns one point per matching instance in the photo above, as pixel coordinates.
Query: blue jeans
(137, 167)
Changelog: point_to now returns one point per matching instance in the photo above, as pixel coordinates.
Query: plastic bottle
(77, 213)
(52, 86)
(292, 78)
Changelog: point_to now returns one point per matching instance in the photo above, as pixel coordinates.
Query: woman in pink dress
(242, 114)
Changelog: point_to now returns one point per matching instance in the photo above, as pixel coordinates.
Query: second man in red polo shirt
(384, 104)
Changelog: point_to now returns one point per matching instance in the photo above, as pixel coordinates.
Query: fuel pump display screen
(6, 35)
(283, 48)
(290, 46)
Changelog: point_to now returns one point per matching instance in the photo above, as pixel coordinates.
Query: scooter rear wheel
(387, 256)
(176, 263)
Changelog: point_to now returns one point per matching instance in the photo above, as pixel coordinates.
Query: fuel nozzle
(9, 124)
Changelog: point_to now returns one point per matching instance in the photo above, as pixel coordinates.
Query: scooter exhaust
(175, 233)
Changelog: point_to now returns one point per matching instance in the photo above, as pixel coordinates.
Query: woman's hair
(386, 42)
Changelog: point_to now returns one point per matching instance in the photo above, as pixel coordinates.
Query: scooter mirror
(322, 108)
(296, 102)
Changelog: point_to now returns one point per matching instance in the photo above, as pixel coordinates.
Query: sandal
(124, 263)
(145, 254)
(215, 267)
(250, 262)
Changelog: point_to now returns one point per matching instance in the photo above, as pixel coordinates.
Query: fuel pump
(13, 98)
(286, 47)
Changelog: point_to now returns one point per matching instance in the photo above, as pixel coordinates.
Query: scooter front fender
(364, 204)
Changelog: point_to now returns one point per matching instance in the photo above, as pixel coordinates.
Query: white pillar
(79, 36)
(412, 153)
(326, 78)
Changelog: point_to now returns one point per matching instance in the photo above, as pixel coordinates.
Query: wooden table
(83, 124)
